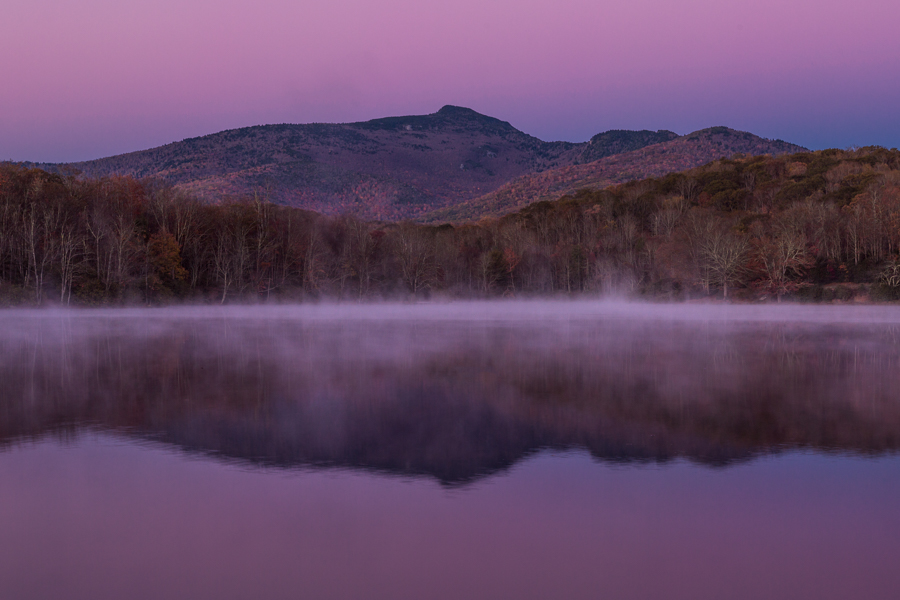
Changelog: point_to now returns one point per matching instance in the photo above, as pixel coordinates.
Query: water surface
(477, 450)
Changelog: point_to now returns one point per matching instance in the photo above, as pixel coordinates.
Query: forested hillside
(814, 225)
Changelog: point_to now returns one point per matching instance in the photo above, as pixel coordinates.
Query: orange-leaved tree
(166, 271)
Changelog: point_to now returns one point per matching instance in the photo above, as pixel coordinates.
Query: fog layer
(460, 390)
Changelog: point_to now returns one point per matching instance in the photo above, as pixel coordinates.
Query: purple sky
(93, 78)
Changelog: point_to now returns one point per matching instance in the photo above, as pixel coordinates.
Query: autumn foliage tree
(166, 271)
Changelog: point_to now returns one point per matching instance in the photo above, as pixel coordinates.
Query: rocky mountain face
(442, 165)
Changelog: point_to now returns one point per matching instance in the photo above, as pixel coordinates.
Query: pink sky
(99, 77)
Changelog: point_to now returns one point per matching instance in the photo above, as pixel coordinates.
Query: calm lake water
(465, 450)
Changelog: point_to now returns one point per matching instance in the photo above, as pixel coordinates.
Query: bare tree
(664, 221)
(727, 253)
(415, 254)
(720, 254)
(364, 242)
(782, 254)
(688, 188)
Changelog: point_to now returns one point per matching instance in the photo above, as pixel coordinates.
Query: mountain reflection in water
(458, 392)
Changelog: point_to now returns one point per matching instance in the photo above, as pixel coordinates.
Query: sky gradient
(94, 78)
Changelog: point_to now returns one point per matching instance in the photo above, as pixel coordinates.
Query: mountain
(617, 141)
(651, 160)
(392, 168)
(414, 167)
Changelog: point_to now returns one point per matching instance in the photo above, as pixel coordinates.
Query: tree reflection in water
(452, 398)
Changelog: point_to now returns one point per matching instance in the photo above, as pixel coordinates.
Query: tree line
(816, 225)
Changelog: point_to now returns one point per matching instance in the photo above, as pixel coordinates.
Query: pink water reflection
(105, 518)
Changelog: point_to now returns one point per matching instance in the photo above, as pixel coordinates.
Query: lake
(529, 449)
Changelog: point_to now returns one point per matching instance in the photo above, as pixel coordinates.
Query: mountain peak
(448, 110)
(461, 114)
(401, 167)
(727, 135)
(617, 141)
(449, 115)
(718, 130)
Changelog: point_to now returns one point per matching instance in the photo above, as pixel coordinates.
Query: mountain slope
(452, 164)
(386, 168)
(391, 168)
(678, 154)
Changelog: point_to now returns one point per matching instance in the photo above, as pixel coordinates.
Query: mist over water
(460, 390)
(471, 449)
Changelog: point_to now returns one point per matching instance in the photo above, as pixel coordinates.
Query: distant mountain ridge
(617, 141)
(393, 168)
(654, 160)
